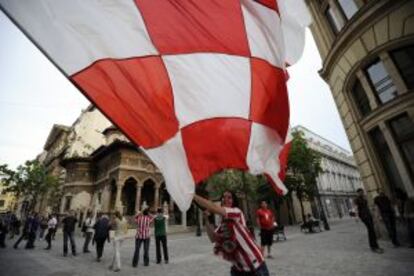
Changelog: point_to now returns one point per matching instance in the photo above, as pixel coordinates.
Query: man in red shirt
(265, 220)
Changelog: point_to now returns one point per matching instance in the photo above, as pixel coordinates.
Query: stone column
(156, 196)
(118, 203)
(62, 204)
(138, 198)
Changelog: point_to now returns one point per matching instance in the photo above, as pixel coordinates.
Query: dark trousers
(100, 243)
(138, 243)
(31, 240)
(49, 237)
(158, 241)
(260, 271)
(389, 221)
(88, 238)
(371, 232)
(3, 239)
(22, 237)
(69, 236)
(410, 229)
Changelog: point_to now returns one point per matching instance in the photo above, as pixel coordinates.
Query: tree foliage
(30, 180)
(303, 168)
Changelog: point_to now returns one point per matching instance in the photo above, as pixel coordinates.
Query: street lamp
(198, 229)
(322, 210)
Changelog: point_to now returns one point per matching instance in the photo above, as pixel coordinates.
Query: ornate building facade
(367, 48)
(101, 170)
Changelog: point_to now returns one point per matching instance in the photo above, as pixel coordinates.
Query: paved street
(341, 251)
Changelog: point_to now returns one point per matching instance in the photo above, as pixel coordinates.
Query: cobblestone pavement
(341, 251)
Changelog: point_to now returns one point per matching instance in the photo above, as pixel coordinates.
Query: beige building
(7, 200)
(100, 170)
(367, 48)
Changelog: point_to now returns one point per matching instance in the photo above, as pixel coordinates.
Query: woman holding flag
(233, 241)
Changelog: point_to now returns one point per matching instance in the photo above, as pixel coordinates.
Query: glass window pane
(403, 130)
(349, 7)
(404, 60)
(382, 82)
(385, 157)
(333, 19)
(360, 98)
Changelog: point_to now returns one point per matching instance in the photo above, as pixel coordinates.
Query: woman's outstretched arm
(209, 205)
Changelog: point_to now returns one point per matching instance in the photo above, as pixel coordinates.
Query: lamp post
(321, 209)
(198, 229)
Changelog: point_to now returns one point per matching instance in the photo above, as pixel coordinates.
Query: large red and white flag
(199, 84)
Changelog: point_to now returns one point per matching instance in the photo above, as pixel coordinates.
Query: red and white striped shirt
(143, 226)
(248, 256)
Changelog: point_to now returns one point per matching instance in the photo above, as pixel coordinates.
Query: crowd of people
(97, 229)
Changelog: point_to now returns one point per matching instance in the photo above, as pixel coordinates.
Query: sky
(34, 96)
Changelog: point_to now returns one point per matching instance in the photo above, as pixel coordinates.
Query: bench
(316, 225)
(280, 233)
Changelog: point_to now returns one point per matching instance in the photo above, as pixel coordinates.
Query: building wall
(7, 200)
(371, 34)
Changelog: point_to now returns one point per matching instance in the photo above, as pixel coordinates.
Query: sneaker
(269, 256)
(110, 267)
(166, 261)
(65, 254)
(86, 251)
(98, 260)
(74, 254)
(117, 270)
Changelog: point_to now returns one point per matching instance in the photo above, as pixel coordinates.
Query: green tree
(30, 181)
(303, 169)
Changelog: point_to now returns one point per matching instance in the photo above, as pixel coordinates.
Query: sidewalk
(342, 251)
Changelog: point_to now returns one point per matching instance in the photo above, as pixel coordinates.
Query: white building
(339, 180)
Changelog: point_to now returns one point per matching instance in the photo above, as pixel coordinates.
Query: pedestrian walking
(232, 239)
(15, 224)
(51, 229)
(25, 231)
(34, 223)
(119, 226)
(142, 236)
(265, 220)
(101, 227)
(69, 223)
(160, 234)
(366, 217)
(387, 213)
(88, 230)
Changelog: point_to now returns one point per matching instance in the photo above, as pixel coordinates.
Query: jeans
(88, 237)
(70, 236)
(116, 260)
(389, 221)
(138, 243)
(371, 232)
(100, 243)
(31, 240)
(48, 237)
(260, 271)
(23, 236)
(163, 240)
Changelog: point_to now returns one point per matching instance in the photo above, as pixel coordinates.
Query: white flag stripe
(263, 153)
(171, 159)
(209, 86)
(93, 29)
(264, 32)
(295, 17)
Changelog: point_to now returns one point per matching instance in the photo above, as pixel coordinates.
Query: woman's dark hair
(233, 195)
(145, 212)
